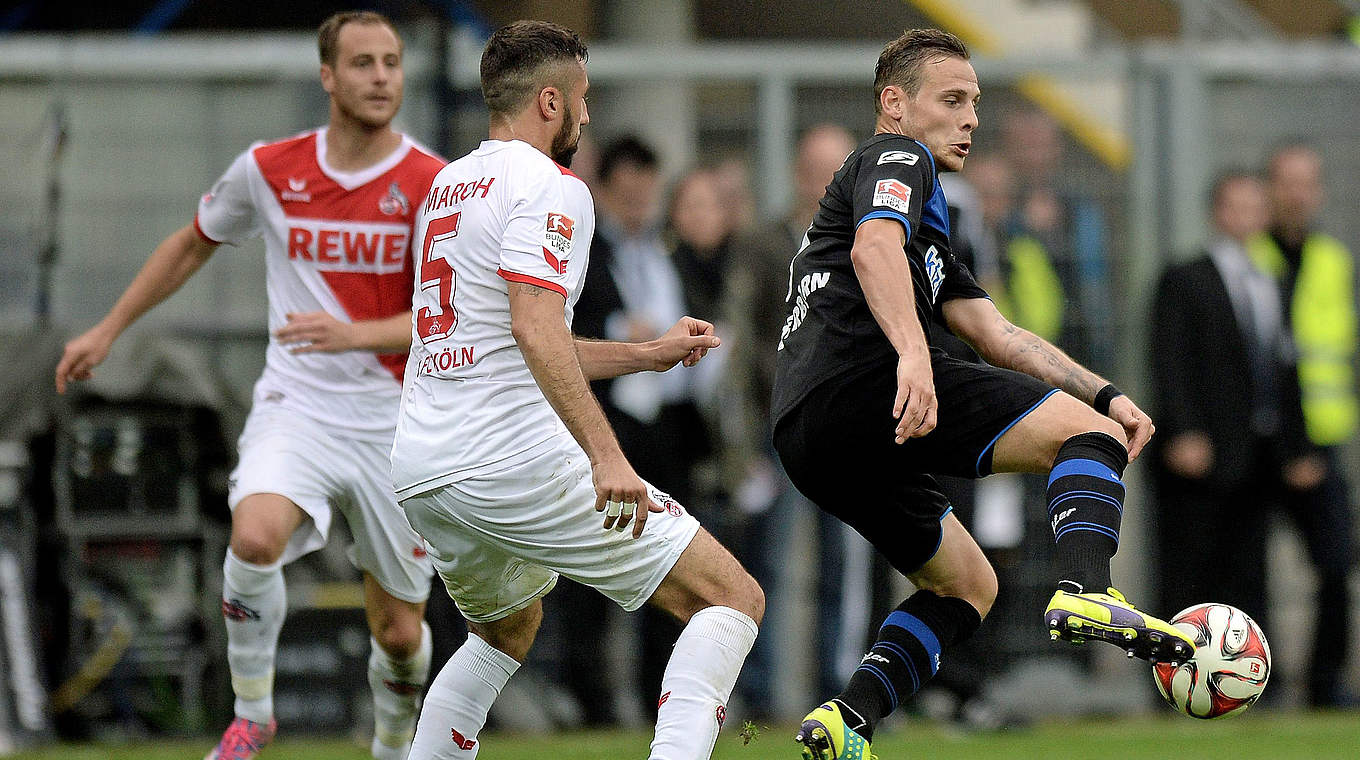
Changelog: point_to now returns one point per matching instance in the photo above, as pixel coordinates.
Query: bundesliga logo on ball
(1229, 669)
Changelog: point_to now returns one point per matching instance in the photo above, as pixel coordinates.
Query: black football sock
(905, 656)
(1085, 505)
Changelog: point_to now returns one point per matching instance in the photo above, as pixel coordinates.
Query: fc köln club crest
(394, 202)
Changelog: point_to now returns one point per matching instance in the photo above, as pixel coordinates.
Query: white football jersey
(334, 241)
(503, 213)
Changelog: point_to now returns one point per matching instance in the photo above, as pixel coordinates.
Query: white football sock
(460, 697)
(253, 606)
(699, 678)
(396, 686)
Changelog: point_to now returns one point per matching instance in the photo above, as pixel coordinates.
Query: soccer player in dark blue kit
(865, 409)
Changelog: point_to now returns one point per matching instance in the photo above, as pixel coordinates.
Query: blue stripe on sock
(913, 625)
(911, 666)
(977, 466)
(1052, 507)
(1092, 527)
(915, 676)
(881, 676)
(1083, 467)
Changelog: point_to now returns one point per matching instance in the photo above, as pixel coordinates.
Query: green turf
(1264, 736)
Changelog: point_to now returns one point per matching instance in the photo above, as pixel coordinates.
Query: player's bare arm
(321, 332)
(1003, 344)
(537, 323)
(167, 268)
(885, 277)
(688, 341)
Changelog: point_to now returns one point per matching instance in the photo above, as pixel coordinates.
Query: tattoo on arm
(1023, 351)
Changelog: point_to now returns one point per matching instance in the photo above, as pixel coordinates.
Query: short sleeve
(227, 213)
(892, 182)
(540, 236)
(959, 282)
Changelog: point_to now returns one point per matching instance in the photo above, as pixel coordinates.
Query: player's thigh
(1032, 443)
(958, 568)
(385, 544)
(261, 525)
(278, 493)
(543, 512)
(864, 481)
(707, 575)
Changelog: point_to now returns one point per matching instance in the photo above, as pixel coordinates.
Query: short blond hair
(328, 36)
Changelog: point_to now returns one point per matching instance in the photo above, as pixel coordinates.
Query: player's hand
(1306, 472)
(81, 355)
(316, 332)
(1189, 455)
(915, 406)
(1137, 425)
(621, 495)
(685, 343)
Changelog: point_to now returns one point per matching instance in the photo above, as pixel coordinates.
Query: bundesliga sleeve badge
(557, 241)
(893, 194)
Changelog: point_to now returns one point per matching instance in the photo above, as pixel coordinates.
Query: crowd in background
(669, 244)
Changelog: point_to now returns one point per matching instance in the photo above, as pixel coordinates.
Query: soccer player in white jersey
(335, 207)
(502, 456)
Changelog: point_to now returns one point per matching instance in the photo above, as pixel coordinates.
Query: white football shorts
(500, 541)
(290, 454)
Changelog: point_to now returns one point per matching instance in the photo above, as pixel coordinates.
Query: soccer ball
(1229, 669)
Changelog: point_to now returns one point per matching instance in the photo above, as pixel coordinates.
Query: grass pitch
(1259, 736)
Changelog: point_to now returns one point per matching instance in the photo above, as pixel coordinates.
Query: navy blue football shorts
(837, 447)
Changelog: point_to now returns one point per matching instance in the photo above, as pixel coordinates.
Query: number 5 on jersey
(437, 273)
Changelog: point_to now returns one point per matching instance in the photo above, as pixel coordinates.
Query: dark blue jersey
(829, 331)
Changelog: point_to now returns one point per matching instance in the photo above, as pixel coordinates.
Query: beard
(365, 120)
(564, 145)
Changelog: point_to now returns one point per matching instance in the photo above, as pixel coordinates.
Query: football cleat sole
(1145, 644)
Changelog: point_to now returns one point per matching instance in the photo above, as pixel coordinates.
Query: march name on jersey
(830, 330)
(505, 213)
(335, 241)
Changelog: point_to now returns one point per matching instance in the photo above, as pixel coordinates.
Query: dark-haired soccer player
(503, 456)
(865, 408)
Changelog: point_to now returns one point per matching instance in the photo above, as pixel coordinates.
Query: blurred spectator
(633, 292)
(992, 181)
(1055, 273)
(702, 220)
(761, 493)
(734, 187)
(1317, 274)
(1230, 436)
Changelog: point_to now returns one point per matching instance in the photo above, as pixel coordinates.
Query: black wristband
(1104, 397)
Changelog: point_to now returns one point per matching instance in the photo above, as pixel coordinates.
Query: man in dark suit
(1230, 441)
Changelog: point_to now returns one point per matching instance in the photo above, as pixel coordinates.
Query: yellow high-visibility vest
(1032, 297)
(1323, 312)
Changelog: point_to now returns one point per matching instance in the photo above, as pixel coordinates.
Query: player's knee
(984, 592)
(256, 545)
(977, 586)
(513, 634)
(1103, 424)
(738, 591)
(750, 599)
(397, 635)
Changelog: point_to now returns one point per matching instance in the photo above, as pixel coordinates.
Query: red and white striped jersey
(334, 241)
(503, 213)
